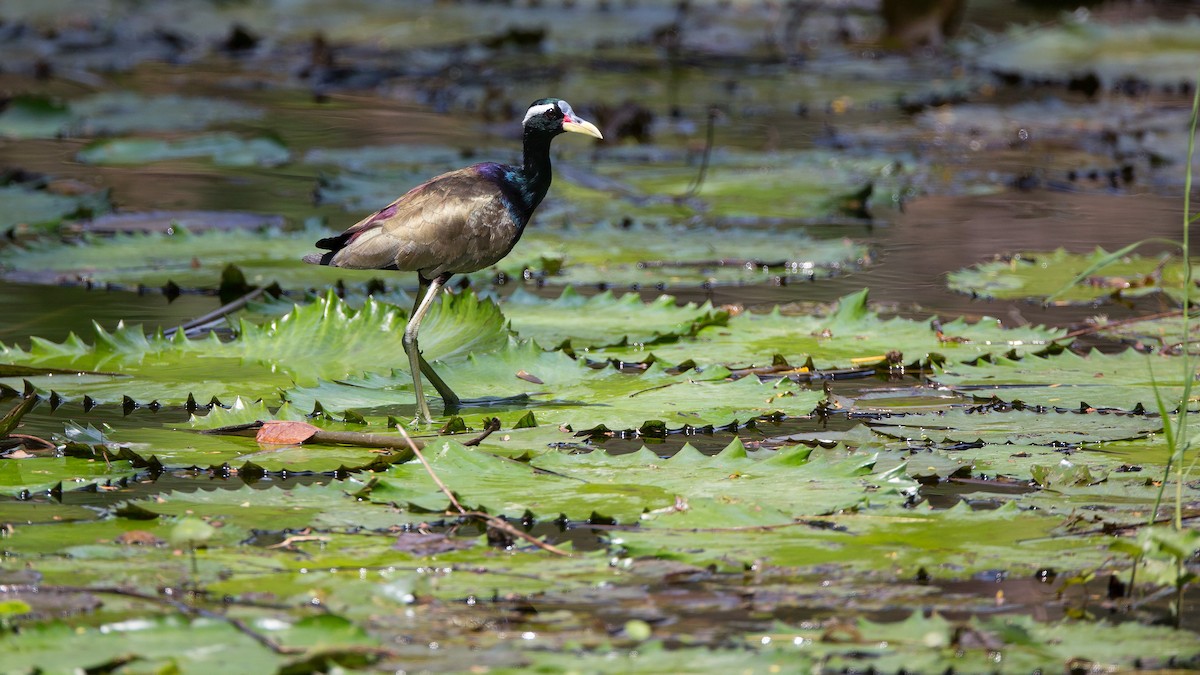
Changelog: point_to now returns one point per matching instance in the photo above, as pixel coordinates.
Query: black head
(552, 116)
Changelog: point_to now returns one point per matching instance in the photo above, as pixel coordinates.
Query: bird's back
(458, 222)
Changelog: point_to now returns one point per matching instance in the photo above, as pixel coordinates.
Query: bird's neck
(536, 168)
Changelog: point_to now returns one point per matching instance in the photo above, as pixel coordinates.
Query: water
(965, 220)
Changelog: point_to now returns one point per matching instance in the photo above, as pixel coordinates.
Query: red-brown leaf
(279, 432)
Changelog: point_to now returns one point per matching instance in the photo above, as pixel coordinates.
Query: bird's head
(553, 116)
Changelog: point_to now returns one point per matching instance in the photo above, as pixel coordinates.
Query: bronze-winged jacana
(458, 222)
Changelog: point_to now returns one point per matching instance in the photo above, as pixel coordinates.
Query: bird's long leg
(427, 292)
(449, 398)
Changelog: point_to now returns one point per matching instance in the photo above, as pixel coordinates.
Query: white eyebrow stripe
(537, 110)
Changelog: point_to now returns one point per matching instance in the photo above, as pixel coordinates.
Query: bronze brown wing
(456, 222)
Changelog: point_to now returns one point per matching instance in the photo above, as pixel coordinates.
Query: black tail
(332, 245)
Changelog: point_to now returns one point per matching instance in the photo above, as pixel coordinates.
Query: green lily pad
(1123, 381)
(26, 205)
(176, 644)
(189, 260)
(327, 339)
(900, 542)
(790, 185)
(999, 428)
(113, 113)
(625, 486)
(562, 391)
(1156, 51)
(326, 506)
(1036, 275)
(38, 474)
(1020, 460)
(223, 149)
(1161, 333)
(673, 255)
(738, 185)
(33, 117)
(604, 319)
(31, 512)
(600, 254)
(263, 359)
(851, 332)
(1095, 497)
(933, 643)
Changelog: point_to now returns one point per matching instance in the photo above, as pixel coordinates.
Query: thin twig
(34, 439)
(1113, 324)
(491, 520)
(501, 524)
(490, 427)
(218, 313)
(654, 388)
(429, 469)
(297, 538)
(708, 146)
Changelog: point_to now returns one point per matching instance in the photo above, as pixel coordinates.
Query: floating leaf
(223, 149)
(171, 643)
(24, 205)
(898, 541)
(188, 260)
(324, 339)
(575, 394)
(38, 474)
(1160, 333)
(625, 486)
(1155, 51)
(1035, 275)
(675, 255)
(997, 427)
(33, 117)
(113, 113)
(851, 332)
(1122, 381)
(604, 319)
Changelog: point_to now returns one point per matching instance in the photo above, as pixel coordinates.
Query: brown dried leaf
(139, 538)
(279, 432)
(528, 377)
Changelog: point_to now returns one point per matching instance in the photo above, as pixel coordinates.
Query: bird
(459, 222)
